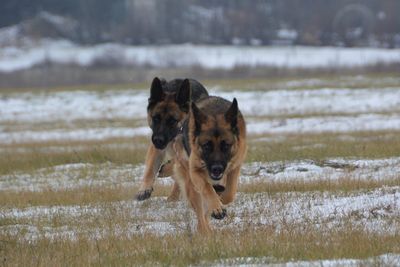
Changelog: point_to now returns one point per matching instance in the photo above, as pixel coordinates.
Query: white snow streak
(227, 57)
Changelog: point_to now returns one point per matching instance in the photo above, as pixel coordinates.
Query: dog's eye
(172, 121)
(208, 147)
(156, 118)
(225, 146)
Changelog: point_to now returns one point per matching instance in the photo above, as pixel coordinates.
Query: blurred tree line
(306, 22)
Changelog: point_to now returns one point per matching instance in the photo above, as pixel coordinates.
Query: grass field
(320, 186)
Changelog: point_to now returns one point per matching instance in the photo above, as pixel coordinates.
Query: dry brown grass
(242, 79)
(78, 196)
(31, 156)
(91, 195)
(181, 249)
(379, 144)
(184, 249)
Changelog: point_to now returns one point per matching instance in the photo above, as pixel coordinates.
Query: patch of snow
(9, 35)
(82, 175)
(227, 57)
(369, 210)
(357, 109)
(72, 176)
(287, 34)
(69, 106)
(132, 103)
(57, 20)
(382, 260)
(372, 211)
(321, 101)
(332, 170)
(72, 135)
(336, 124)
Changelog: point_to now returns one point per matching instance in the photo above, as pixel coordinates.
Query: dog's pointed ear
(199, 118)
(156, 92)
(183, 96)
(231, 116)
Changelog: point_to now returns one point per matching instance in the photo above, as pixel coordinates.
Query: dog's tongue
(219, 188)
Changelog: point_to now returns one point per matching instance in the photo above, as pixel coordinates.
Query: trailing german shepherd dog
(209, 155)
(168, 107)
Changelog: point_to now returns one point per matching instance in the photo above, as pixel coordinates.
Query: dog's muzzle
(159, 142)
(217, 171)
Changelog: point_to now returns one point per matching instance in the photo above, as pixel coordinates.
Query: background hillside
(257, 22)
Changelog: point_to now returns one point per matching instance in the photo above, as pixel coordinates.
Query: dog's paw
(144, 194)
(219, 214)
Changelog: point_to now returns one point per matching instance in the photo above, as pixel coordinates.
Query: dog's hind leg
(175, 193)
(154, 158)
(166, 170)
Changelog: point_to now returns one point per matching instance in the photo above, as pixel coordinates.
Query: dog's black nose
(216, 171)
(159, 142)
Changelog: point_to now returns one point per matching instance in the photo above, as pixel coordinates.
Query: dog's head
(215, 138)
(166, 110)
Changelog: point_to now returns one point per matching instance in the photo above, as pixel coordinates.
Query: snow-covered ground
(371, 210)
(73, 176)
(382, 260)
(29, 117)
(227, 57)
(267, 112)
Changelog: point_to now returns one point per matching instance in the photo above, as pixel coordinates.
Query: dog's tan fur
(190, 171)
(168, 100)
(157, 160)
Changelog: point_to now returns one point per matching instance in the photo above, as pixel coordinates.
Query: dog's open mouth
(219, 188)
(216, 176)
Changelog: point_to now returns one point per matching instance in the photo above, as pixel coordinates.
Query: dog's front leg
(154, 159)
(232, 181)
(214, 205)
(181, 173)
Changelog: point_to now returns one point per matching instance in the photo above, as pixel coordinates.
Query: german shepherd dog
(209, 155)
(168, 107)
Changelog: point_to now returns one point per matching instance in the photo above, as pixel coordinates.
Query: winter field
(321, 185)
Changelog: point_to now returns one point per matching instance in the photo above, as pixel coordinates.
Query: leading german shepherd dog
(209, 155)
(168, 107)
